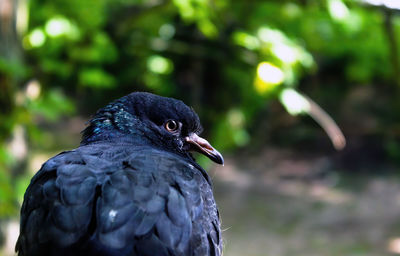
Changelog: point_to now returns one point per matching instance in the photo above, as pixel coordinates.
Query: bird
(132, 187)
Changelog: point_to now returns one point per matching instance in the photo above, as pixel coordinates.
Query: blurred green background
(258, 73)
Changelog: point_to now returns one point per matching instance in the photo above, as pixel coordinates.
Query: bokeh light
(166, 31)
(159, 65)
(268, 77)
(338, 10)
(60, 26)
(36, 38)
(294, 102)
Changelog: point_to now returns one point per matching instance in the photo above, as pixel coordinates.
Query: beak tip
(219, 159)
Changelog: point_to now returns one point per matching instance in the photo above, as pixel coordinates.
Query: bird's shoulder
(57, 203)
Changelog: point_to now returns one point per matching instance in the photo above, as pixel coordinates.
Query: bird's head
(145, 118)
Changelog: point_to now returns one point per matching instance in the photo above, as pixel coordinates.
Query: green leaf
(96, 78)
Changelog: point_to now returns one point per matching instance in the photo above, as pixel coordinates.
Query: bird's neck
(115, 124)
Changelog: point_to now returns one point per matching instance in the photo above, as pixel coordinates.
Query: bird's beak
(203, 146)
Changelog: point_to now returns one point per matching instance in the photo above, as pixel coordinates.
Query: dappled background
(267, 79)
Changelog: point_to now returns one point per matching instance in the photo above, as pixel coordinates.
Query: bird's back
(105, 199)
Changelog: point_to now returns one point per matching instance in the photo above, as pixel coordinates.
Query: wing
(57, 206)
(154, 205)
(143, 208)
(207, 239)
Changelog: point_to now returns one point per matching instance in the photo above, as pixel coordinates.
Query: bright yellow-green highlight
(283, 48)
(60, 26)
(36, 38)
(338, 10)
(198, 11)
(186, 9)
(285, 53)
(246, 40)
(159, 65)
(268, 77)
(207, 27)
(294, 102)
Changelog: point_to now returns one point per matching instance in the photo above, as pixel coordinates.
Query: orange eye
(171, 125)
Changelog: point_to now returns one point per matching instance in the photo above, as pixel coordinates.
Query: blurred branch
(391, 34)
(327, 123)
(6, 16)
(8, 51)
(298, 103)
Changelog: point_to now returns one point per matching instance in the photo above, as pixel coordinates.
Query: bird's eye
(171, 126)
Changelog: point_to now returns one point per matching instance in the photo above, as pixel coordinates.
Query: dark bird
(131, 188)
